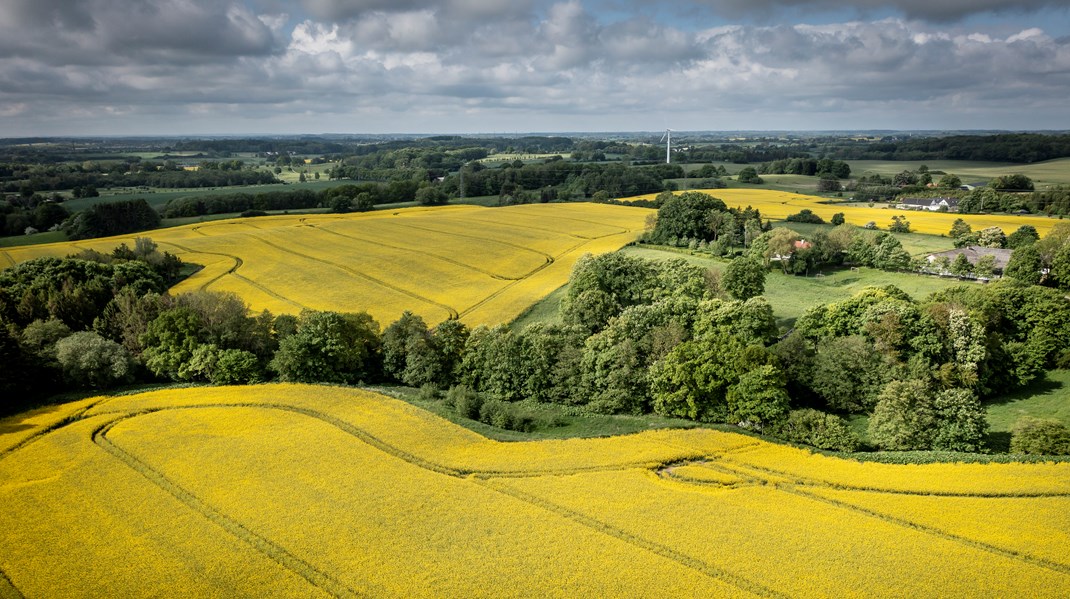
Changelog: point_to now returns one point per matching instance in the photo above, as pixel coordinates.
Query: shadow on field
(16, 423)
(999, 442)
(1040, 387)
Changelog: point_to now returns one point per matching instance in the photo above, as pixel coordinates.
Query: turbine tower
(667, 138)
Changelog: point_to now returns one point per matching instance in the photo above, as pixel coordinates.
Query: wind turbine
(667, 138)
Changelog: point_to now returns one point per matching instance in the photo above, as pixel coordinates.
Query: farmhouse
(799, 244)
(931, 204)
(974, 253)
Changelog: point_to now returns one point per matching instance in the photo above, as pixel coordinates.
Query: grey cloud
(419, 66)
(341, 10)
(110, 31)
(939, 11)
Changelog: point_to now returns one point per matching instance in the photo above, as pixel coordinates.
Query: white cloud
(408, 65)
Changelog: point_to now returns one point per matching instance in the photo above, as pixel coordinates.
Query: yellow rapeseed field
(777, 205)
(297, 490)
(482, 265)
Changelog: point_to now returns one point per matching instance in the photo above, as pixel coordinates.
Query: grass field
(482, 265)
(778, 205)
(1048, 398)
(290, 490)
(1049, 172)
(790, 296)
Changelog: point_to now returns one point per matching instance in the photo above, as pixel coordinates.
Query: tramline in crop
(305, 490)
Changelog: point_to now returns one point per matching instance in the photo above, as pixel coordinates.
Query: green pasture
(1046, 398)
(1049, 172)
(789, 295)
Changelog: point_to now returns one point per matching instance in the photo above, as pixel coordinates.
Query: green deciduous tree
(329, 347)
(744, 278)
(848, 373)
(900, 224)
(904, 417)
(693, 380)
(950, 181)
(89, 360)
(992, 237)
(758, 398)
(1023, 236)
(1025, 265)
(962, 233)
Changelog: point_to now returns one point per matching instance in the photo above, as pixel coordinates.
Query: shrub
(1040, 436)
(252, 213)
(466, 401)
(428, 392)
(89, 360)
(824, 431)
(496, 413)
(806, 216)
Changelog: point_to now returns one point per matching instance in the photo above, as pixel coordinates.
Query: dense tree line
(567, 180)
(99, 175)
(810, 167)
(342, 198)
(1006, 147)
(112, 218)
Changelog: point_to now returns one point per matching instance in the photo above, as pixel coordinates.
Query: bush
(1040, 436)
(466, 401)
(428, 392)
(503, 415)
(252, 213)
(496, 413)
(806, 216)
(89, 360)
(821, 430)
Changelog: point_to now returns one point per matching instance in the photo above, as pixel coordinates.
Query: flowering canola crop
(778, 205)
(298, 490)
(482, 265)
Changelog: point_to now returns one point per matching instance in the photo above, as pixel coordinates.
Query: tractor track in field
(331, 585)
(798, 488)
(548, 257)
(233, 270)
(453, 314)
(499, 292)
(543, 229)
(664, 551)
(277, 553)
(497, 480)
(8, 257)
(490, 274)
(8, 588)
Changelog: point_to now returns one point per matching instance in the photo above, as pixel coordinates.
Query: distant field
(292, 490)
(1049, 172)
(778, 205)
(482, 265)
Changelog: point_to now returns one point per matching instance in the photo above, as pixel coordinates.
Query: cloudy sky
(99, 67)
